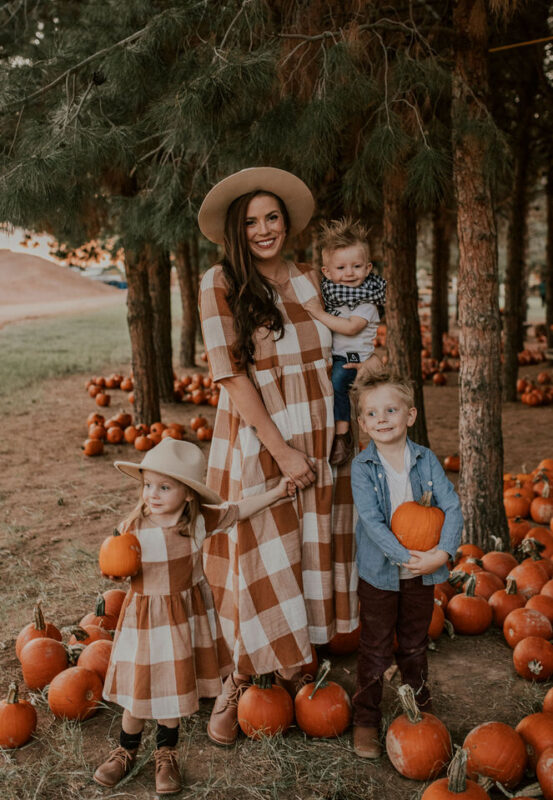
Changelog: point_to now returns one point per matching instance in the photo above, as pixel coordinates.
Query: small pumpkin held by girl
(168, 649)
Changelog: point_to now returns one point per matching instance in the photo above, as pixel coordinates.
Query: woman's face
(265, 227)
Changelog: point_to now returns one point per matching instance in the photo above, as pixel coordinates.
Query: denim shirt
(379, 552)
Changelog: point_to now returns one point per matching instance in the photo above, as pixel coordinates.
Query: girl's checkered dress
(168, 649)
(286, 577)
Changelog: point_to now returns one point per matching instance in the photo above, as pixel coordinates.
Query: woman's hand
(297, 466)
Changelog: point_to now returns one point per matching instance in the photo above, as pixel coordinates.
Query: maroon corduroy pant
(406, 612)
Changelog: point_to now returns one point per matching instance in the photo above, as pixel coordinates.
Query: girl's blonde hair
(186, 524)
(378, 374)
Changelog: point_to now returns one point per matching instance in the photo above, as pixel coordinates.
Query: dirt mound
(30, 279)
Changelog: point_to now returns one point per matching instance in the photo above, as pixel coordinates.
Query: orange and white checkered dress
(287, 576)
(168, 649)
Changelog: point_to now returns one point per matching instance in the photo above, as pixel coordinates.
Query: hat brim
(293, 192)
(134, 471)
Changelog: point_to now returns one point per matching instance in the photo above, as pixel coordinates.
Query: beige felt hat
(182, 461)
(292, 191)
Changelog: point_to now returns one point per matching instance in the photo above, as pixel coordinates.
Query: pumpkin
(205, 433)
(469, 614)
(130, 433)
(542, 603)
(417, 525)
(516, 505)
(547, 589)
(37, 629)
(542, 536)
(523, 622)
(441, 596)
(439, 379)
(96, 657)
(323, 708)
(88, 633)
(311, 667)
(143, 442)
(97, 431)
(173, 433)
(113, 600)
(506, 600)
(537, 732)
(115, 435)
(197, 422)
(525, 489)
(123, 419)
(530, 578)
(533, 658)
(437, 622)
(496, 751)
(452, 463)
(499, 563)
(468, 550)
(264, 709)
(17, 719)
(157, 428)
(120, 555)
(94, 419)
(418, 743)
(99, 616)
(449, 590)
(486, 583)
(544, 772)
(75, 693)
(93, 447)
(102, 399)
(456, 786)
(342, 644)
(126, 384)
(548, 701)
(41, 660)
(518, 528)
(541, 508)
(154, 437)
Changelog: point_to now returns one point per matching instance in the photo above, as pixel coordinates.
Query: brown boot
(342, 449)
(293, 684)
(223, 724)
(118, 764)
(168, 779)
(365, 742)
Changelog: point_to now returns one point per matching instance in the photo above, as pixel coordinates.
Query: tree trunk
(549, 260)
(140, 322)
(403, 334)
(159, 279)
(439, 309)
(188, 282)
(515, 291)
(480, 437)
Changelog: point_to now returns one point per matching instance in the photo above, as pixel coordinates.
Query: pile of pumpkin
(538, 393)
(120, 430)
(197, 388)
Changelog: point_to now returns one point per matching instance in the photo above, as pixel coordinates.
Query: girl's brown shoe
(223, 723)
(168, 780)
(118, 764)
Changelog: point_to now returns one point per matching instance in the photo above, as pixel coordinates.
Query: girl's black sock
(130, 741)
(166, 737)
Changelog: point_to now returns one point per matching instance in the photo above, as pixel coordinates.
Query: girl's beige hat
(292, 191)
(182, 461)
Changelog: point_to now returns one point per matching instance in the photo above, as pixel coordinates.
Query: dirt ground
(56, 506)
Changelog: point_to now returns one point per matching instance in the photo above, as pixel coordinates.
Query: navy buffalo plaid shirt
(372, 290)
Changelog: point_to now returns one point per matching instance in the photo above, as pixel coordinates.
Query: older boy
(396, 589)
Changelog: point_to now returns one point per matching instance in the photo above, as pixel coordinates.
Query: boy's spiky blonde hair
(378, 374)
(343, 232)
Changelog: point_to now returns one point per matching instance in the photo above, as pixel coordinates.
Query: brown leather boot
(223, 724)
(118, 764)
(293, 684)
(168, 780)
(365, 742)
(342, 449)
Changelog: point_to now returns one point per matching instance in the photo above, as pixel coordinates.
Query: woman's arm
(347, 327)
(291, 462)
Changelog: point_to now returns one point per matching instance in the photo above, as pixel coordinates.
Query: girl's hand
(286, 488)
(296, 465)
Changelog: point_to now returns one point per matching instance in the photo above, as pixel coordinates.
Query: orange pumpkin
(342, 644)
(542, 603)
(541, 508)
(468, 613)
(114, 599)
(437, 622)
(37, 629)
(99, 616)
(143, 443)
(93, 447)
(417, 525)
(523, 622)
(456, 786)
(96, 657)
(452, 463)
(496, 751)
(544, 772)
(17, 720)
(530, 577)
(264, 709)
(533, 658)
(41, 660)
(516, 505)
(86, 634)
(537, 732)
(323, 709)
(518, 528)
(506, 600)
(499, 563)
(120, 555)
(115, 435)
(75, 693)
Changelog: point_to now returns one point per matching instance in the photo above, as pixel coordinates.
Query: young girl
(168, 649)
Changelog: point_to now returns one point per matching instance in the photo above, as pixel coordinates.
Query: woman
(286, 578)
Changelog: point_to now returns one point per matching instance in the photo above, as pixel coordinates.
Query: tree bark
(187, 273)
(159, 279)
(549, 260)
(403, 334)
(140, 322)
(480, 436)
(515, 291)
(439, 310)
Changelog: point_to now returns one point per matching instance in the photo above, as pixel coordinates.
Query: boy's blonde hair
(343, 232)
(375, 375)
(186, 524)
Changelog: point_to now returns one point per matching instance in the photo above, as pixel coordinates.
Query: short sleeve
(219, 518)
(218, 325)
(366, 311)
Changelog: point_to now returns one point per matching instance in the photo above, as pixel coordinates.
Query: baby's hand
(314, 307)
(286, 487)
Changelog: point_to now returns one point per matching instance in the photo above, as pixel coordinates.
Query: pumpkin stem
(497, 543)
(13, 694)
(457, 772)
(73, 652)
(264, 681)
(426, 499)
(534, 790)
(533, 548)
(320, 680)
(449, 628)
(457, 577)
(40, 625)
(511, 587)
(79, 633)
(100, 609)
(546, 488)
(409, 704)
(116, 532)
(470, 586)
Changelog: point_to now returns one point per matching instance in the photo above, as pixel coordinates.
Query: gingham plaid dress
(168, 648)
(287, 576)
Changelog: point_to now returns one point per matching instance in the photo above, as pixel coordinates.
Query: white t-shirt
(363, 342)
(400, 490)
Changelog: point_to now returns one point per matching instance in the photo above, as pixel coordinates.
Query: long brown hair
(250, 296)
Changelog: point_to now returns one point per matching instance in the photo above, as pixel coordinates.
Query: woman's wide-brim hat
(182, 461)
(292, 191)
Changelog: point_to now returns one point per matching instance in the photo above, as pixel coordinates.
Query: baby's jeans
(406, 612)
(341, 382)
